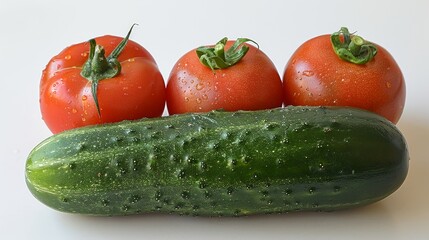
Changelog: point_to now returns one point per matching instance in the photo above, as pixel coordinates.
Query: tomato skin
(251, 84)
(315, 76)
(66, 100)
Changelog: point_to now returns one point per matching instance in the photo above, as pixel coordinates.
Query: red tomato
(66, 98)
(316, 75)
(252, 83)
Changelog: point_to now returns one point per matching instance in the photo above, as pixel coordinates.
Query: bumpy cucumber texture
(222, 163)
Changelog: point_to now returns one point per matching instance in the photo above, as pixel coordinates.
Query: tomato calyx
(352, 48)
(217, 58)
(99, 67)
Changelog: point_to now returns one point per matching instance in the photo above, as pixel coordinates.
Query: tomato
(126, 85)
(240, 78)
(316, 75)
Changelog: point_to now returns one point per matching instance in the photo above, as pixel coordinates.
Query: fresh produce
(107, 79)
(222, 163)
(232, 75)
(343, 69)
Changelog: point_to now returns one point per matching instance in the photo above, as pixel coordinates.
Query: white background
(31, 32)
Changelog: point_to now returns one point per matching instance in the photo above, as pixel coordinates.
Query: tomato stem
(219, 50)
(352, 48)
(216, 57)
(98, 67)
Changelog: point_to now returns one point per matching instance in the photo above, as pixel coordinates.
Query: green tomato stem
(217, 58)
(219, 50)
(355, 45)
(352, 48)
(98, 67)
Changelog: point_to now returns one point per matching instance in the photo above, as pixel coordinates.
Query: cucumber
(222, 163)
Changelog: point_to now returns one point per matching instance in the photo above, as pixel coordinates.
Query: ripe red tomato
(251, 83)
(131, 90)
(316, 75)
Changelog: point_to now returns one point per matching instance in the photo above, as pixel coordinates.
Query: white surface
(32, 32)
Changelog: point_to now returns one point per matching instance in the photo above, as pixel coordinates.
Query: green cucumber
(222, 163)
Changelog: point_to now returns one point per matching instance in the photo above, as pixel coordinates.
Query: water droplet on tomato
(83, 119)
(84, 97)
(199, 86)
(388, 85)
(198, 100)
(186, 99)
(67, 57)
(308, 73)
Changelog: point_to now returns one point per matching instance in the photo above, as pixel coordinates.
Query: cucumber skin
(222, 163)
